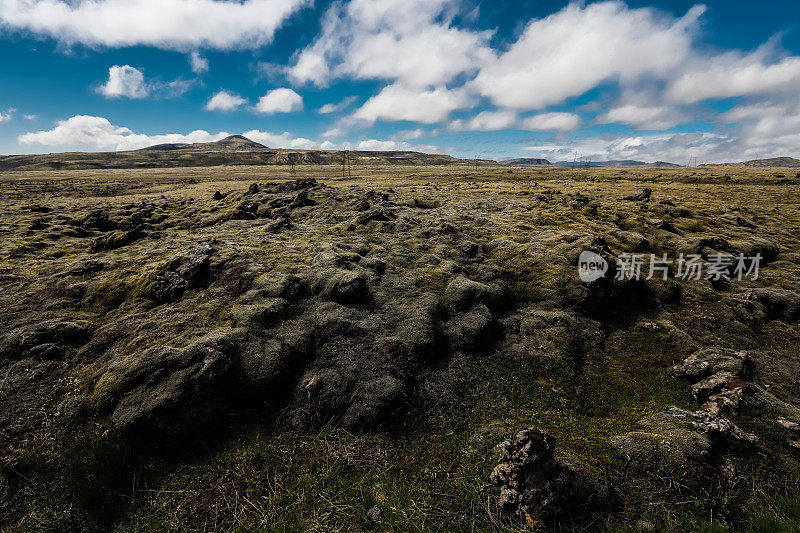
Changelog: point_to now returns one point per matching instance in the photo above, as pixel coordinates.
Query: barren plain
(249, 348)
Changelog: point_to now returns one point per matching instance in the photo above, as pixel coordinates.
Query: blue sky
(717, 81)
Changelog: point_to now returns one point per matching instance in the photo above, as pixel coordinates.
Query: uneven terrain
(244, 348)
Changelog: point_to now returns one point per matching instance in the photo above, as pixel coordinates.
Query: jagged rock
(705, 388)
(665, 225)
(117, 239)
(97, 220)
(253, 188)
(778, 303)
(217, 196)
(677, 438)
(379, 214)
(167, 393)
(342, 286)
(301, 199)
(462, 293)
(726, 401)
(534, 485)
(49, 339)
(185, 274)
(246, 211)
(708, 361)
(644, 196)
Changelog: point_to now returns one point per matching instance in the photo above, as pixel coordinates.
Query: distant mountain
(525, 161)
(233, 150)
(234, 143)
(617, 163)
(773, 162)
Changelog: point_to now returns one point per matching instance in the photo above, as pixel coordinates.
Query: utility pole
(346, 165)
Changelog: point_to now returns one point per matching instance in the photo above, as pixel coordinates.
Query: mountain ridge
(233, 150)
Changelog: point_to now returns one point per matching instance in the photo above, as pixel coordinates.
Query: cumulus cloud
(411, 41)
(735, 74)
(486, 121)
(198, 63)
(129, 82)
(172, 24)
(7, 115)
(336, 107)
(225, 101)
(505, 119)
(572, 51)
(644, 117)
(98, 133)
(551, 122)
(416, 133)
(671, 147)
(124, 81)
(283, 140)
(281, 100)
(397, 102)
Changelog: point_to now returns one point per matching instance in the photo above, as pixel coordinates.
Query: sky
(646, 80)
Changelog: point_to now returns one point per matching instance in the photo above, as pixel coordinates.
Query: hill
(526, 161)
(233, 150)
(234, 143)
(773, 162)
(616, 163)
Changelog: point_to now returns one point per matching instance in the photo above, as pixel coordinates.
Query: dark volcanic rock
(97, 220)
(117, 239)
(708, 361)
(534, 485)
(644, 196)
(778, 303)
(168, 393)
(49, 339)
(185, 274)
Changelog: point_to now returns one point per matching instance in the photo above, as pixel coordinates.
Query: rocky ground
(407, 349)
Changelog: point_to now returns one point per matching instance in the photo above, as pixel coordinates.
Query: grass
(583, 380)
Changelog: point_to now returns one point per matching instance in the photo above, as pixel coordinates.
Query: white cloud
(505, 119)
(572, 51)
(411, 41)
(225, 101)
(644, 117)
(670, 147)
(335, 107)
(30, 117)
(396, 102)
(281, 100)
(7, 115)
(551, 122)
(416, 133)
(124, 81)
(97, 133)
(172, 24)
(486, 121)
(373, 144)
(198, 63)
(283, 140)
(735, 74)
